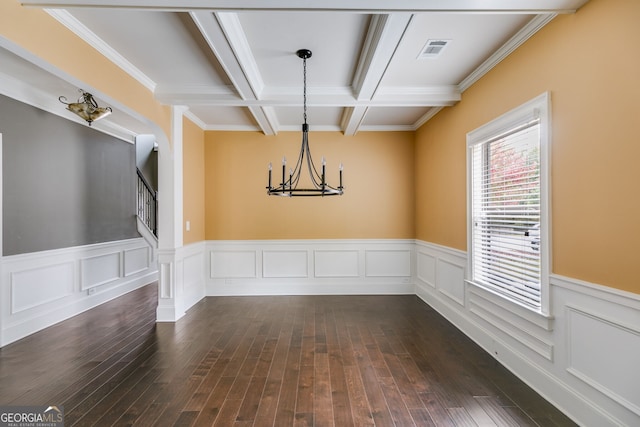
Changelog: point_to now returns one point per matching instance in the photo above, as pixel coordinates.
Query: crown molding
(69, 21)
(189, 115)
(512, 44)
(371, 6)
(426, 117)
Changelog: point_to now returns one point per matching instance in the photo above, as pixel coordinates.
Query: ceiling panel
(167, 47)
(334, 38)
(472, 38)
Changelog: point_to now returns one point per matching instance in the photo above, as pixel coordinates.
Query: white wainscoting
(194, 266)
(310, 267)
(40, 289)
(583, 357)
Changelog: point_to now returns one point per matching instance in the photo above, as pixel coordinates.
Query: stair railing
(147, 204)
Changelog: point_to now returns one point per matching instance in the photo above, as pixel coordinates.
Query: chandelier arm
(316, 178)
(297, 171)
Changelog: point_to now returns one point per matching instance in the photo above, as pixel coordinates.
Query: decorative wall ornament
(86, 107)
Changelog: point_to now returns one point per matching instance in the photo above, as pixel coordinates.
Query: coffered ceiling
(232, 63)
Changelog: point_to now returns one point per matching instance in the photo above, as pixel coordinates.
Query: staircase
(147, 211)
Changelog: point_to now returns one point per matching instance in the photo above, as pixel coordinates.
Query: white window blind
(506, 212)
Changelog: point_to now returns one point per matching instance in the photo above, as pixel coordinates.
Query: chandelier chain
(304, 90)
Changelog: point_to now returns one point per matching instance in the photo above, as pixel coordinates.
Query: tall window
(508, 204)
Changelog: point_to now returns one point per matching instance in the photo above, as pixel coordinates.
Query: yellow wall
(589, 63)
(378, 180)
(193, 182)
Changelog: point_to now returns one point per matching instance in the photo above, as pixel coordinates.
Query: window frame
(540, 108)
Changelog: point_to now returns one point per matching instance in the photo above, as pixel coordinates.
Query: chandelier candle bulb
(270, 167)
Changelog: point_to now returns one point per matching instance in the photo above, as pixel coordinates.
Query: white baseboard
(583, 357)
(43, 288)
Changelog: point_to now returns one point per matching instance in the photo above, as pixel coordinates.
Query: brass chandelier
(86, 107)
(290, 184)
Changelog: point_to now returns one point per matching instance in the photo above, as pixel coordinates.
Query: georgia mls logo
(31, 416)
(53, 408)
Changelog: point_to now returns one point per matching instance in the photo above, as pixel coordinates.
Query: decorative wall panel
(605, 355)
(40, 286)
(99, 270)
(336, 263)
(136, 260)
(426, 269)
(284, 264)
(450, 280)
(230, 264)
(388, 263)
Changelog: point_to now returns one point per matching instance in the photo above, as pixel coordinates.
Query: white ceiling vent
(433, 48)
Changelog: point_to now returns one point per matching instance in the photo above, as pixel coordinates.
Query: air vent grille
(433, 48)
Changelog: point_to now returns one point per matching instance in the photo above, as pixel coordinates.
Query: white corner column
(171, 305)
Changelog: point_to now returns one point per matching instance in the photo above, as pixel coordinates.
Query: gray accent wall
(63, 184)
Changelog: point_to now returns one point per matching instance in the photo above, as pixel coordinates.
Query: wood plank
(305, 390)
(358, 398)
(251, 401)
(322, 402)
(268, 403)
(285, 414)
(208, 413)
(461, 418)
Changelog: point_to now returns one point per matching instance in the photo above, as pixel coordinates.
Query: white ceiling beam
(225, 37)
(352, 118)
(383, 37)
(400, 97)
(362, 6)
(428, 95)
(214, 35)
(230, 24)
(237, 41)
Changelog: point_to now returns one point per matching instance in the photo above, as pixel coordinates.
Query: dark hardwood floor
(267, 361)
